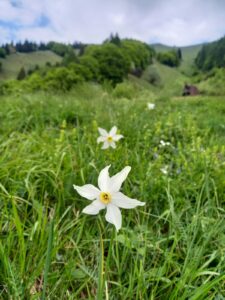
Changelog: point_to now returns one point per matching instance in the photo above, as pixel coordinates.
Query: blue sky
(172, 22)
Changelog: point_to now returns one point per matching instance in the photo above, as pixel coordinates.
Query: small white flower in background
(151, 105)
(163, 144)
(108, 196)
(108, 138)
(164, 170)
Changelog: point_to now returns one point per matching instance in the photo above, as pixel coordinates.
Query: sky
(170, 22)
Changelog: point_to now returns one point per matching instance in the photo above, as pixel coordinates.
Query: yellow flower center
(109, 139)
(105, 197)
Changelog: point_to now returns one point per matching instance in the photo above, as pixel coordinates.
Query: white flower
(164, 170)
(151, 105)
(163, 144)
(108, 138)
(108, 196)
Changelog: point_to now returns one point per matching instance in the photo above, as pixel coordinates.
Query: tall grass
(173, 248)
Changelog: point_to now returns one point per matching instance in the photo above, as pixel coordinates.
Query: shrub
(169, 58)
(22, 74)
(124, 90)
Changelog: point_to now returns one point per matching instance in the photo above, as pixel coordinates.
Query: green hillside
(13, 63)
(171, 80)
(189, 53)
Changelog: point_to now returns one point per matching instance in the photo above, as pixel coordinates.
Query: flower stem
(101, 267)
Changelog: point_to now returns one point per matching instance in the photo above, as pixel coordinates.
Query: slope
(189, 53)
(13, 63)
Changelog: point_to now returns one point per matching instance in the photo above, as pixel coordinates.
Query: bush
(81, 70)
(2, 52)
(154, 78)
(113, 64)
(92, 64)
(124, 90)
(169, 58)
(61, 79)
(22, 74)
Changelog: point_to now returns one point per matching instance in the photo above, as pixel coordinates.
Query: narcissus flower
(108, 196)
(151, 105)
(163, 144)
(165, 170)
(108, 138)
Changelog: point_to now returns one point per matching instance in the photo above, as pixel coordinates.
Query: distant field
(188, 53)
(13, 63)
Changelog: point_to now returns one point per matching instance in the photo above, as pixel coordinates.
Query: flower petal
(87, 191)
(112, 144)
(117, 180)
(93, 208)
(113, 216)
(113, 131)
(117, 137)
(103, 179)
(102, 131)
(105, 145)
(121, 200)
(101, 139)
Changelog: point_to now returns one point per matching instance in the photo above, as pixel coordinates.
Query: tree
(2, 52)
(22, 74)
(179, 54)
(169, 58)
(113, 64)
(211, 55)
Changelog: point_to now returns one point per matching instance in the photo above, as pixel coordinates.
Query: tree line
(29, 46)
(109, 62)
(211, 56)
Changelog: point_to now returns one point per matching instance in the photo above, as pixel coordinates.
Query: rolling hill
(189, 53)
(13, 63)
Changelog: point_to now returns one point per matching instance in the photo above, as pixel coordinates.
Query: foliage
(139, 54)
(114, 39)
(69, 57)
(26, 46)
(154, 77)
(2, 52)
(92, 64)
(170, 249)
(211, 55)
(59, 48)
(82, 70)
(213, 83)
(61, 79)
(125, 90)
(113, 64)
(170, 58)
(22, 74)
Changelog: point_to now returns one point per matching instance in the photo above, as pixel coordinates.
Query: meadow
(171, 248)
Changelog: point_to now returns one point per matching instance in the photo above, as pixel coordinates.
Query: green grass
(189, 53)
(171, 79)
(173, 248)
(13, 63)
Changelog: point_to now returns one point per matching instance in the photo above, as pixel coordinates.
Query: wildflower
(108, 138)
(151, 105)
(164, 170)
(163, 144)
(108, 196)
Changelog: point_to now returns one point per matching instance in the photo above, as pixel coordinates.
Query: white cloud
(171, 22)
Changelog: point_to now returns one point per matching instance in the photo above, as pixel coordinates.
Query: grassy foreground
(173, 248)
